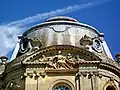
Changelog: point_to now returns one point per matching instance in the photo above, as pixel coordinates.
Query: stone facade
(61, 54)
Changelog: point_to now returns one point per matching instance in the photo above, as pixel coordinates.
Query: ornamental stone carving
(25, 45)
(58, 61)
(97, 45)
(30, 45)
(36, 43)
(61, 62)
(86, 41)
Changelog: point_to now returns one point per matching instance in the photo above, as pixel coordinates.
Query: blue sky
(101, 14)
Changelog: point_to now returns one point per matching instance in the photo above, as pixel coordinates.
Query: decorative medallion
(97, 46)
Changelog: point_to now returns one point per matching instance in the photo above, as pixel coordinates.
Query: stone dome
(62, 30)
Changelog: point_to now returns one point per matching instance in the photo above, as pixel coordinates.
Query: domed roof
(62, 30)
(64, 18)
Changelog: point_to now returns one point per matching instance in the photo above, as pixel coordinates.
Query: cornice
(109, 75)
(109, 67)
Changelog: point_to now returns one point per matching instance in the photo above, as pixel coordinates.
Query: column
(77, 81)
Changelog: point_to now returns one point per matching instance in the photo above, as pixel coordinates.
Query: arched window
(110, 88)
(62, 86)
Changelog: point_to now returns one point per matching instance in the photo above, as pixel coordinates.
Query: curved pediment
(66, 52)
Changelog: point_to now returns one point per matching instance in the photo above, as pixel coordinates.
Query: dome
(62, 30)
(61, 18)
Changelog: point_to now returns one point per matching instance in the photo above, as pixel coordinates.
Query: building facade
(61, 54)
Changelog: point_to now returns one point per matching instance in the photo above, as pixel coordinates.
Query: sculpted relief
(58, 61)
(85, 41)
(61, 62)
(88, 42)
(29, 45)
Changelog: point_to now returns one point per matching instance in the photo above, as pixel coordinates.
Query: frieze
(41, 55)
(58, 61)
(61, 61)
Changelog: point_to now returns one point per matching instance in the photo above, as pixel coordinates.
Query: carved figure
(70, 60)
(43, 59)
(59, 62)
(52, 64)
(63, 64)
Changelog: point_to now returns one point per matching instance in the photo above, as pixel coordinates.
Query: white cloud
(8, 38)
(10, 31)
